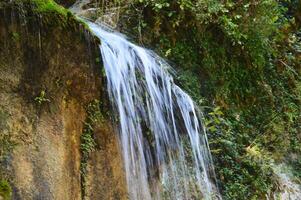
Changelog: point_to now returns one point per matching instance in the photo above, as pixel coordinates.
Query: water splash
(287, 187)
(164, 144)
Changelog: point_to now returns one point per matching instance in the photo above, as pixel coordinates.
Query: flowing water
(159, 124)
(287, 187)
(164, 144)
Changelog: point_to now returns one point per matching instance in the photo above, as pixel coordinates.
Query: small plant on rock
(41, 98)
(5, 190)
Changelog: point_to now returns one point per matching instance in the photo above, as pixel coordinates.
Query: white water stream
(164, 144)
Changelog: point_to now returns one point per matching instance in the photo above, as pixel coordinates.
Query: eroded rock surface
(49, 72)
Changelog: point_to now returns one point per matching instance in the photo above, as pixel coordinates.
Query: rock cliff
(50, 72)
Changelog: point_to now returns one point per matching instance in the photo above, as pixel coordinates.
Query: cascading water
(164, 144)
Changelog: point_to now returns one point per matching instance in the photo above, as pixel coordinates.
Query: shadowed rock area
(49, 72)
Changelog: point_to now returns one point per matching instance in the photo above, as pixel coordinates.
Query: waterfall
(163, 141)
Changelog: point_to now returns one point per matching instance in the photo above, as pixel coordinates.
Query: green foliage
(244, 172)
(45, 6)
(15, 36)
(41, 98)
(5, 190)
(49, 6)
(190, 83)
(88, 144)
(239, 60)
(48, 11)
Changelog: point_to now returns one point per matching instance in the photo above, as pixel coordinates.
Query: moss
(50, 6)
(44, 6)
(3, 119)
(5, 190)
(85, 25)
(6, 144)
(48, 11)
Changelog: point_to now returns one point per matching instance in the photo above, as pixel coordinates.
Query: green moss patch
(50, 6)
(47, 10)
(5, 190)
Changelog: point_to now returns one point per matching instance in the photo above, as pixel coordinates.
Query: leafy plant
(239, 60)
(88, 143)
(41, 98)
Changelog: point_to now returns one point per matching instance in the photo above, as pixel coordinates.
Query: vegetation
(6, 142)
(41, 98)
(5, 190)
(240, 60)
(40, 6)
(43, 6)
(48, 12)
(88, 144)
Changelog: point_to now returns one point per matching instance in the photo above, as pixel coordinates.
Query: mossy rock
(49, 12)
(5, 190)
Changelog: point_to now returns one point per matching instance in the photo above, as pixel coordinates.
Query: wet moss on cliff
(48, 11)
(43, 6)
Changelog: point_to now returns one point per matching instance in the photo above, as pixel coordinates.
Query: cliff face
(49, 73)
